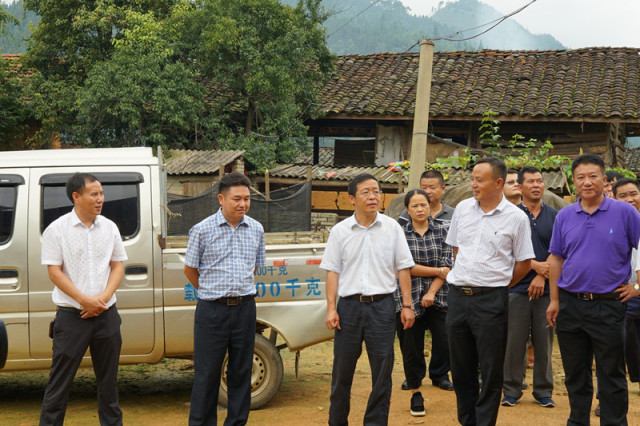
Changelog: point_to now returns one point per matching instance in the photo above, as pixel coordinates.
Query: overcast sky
(575, 23)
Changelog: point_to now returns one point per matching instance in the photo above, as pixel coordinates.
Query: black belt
(73, 310)
(470, 291)
(234, 301)
(69, 309)
(594, 296)
(367, 299)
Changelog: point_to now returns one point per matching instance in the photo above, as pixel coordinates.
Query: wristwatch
(636, 287)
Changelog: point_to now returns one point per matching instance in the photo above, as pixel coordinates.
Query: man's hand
(626, 292)
(552, 312)
(536, 288)
(427, 300)
(445, 272)
(333, 320)
(407, 317)
(541, 268)
(92, 307)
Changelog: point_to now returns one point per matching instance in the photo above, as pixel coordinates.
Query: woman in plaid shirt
(434, 259)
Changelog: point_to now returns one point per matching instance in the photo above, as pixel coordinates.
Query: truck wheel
(266, 374)
(4, 344)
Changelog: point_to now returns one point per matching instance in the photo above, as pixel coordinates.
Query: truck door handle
(135, 270)
(8, 273)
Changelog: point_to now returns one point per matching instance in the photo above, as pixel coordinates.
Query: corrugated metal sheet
(294, 171)
(554, 179)
(191, 162)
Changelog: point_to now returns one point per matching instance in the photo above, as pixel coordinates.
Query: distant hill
(14, 39)
(362, 27)
(509, 35)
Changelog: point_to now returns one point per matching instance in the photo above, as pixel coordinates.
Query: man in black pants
(363, 254)
(223, 253)
(588, 275)
(491, 240)
(83, 252)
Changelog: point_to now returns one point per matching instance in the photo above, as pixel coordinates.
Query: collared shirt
(226, 257)
(428, 250)
(84, 253)
(366, 258)
(489, 244)
(596, 247)
(541, 230)
(444, 216)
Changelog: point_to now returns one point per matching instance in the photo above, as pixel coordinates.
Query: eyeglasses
(366, 194)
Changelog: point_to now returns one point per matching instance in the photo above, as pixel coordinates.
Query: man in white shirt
(491, 241)
(83, 252)
(363, 254)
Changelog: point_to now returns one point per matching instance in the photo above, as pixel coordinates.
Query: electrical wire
(355, 16)
(495, 23)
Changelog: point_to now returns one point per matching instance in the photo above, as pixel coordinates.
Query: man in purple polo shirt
(588, 275)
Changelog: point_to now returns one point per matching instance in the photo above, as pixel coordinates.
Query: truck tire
(266, 374)
(4, 344)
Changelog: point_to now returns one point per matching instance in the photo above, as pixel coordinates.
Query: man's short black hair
(497, 166)
(233, 179)
(621, 182)
(77, 182)
(353, 185)
(433, 174)
(413, 192)
(613, 175)
(587, 159)
(527, 169)
(512, 172)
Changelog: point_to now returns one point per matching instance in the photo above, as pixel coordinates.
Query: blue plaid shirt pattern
(225, 257)
(430, 250)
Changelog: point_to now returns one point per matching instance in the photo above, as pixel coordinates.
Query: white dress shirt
(84, 253)
(488, 244)
(366, 258)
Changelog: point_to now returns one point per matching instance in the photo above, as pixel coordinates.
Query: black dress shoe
(405, 385)
(444, 384)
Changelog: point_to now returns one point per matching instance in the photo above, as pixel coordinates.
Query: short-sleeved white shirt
(489, 244)
(84, 253)
(367, 258)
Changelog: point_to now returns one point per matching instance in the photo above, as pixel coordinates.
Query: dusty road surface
(159, 395)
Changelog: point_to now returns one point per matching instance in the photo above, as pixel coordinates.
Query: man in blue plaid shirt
(223, 253)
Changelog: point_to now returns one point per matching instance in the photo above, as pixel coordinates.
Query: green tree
(71, 39)
(13, 114)
(142, 95)
(269, 61)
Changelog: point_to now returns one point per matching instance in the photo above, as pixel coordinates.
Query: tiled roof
(599, 82)
(325, 156)
(188, 162)
(15, 64)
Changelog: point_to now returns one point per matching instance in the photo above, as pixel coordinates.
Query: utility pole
(421, 114)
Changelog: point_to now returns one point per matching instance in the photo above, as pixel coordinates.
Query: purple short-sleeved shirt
(596, 247)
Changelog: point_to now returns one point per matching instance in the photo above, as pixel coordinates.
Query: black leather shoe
(444, 384)
(405, 385)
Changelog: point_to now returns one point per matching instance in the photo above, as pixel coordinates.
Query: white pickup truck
(155, 300)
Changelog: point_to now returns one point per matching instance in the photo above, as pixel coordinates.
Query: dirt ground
(159, 395)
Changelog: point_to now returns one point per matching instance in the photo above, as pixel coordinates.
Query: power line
(495, 23)
(354, 17)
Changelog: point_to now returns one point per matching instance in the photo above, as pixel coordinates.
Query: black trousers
(412, 347)
(219, 328)
(477, 329)
(373, 323)
(586, 328)
(72, 335)
(632, 348)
